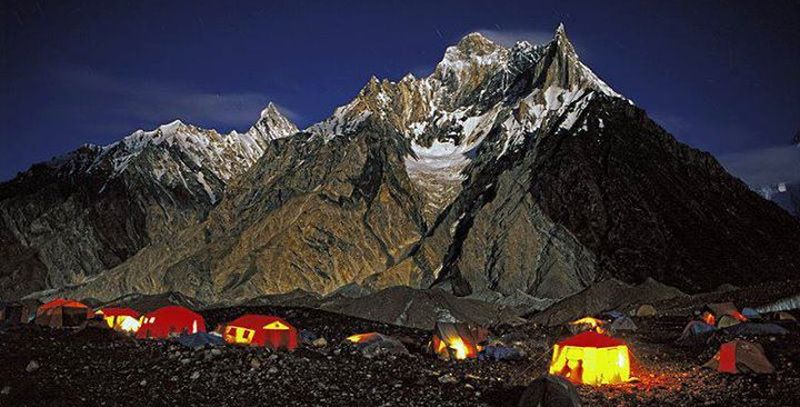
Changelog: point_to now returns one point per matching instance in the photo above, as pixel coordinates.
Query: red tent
(591, 339)
(261, 330)
(170, 320)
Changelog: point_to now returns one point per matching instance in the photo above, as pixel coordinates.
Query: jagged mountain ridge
(502, 175)
(69, 219)
(423, 115)
(312, 214)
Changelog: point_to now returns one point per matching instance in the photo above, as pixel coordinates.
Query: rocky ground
(43, 367)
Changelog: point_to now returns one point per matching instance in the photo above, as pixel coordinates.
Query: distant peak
(171, 126)
(476, 41)
(273, 123)
(270, 111)
(475, 37)
(373, 86)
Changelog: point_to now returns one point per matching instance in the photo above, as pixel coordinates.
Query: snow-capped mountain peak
(270, 110)
(175, 152)
(572, 73)
(273, 124)
(478, 86)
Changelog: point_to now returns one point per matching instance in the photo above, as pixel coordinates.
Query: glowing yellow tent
(120, 319)
(591, 358)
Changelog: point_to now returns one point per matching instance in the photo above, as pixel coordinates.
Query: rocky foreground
(93, 367)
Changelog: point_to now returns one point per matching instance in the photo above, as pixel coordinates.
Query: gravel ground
(93, 367)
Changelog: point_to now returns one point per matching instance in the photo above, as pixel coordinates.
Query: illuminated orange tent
(61, 313)
(591, 358)
(120, 319)
(457, 341)
(261, 330)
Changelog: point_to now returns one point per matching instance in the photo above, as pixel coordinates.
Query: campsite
(399, 203)
(325, 358)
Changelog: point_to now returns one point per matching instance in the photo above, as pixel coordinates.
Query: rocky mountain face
(66, 220)
(314, 213)
(513, 175)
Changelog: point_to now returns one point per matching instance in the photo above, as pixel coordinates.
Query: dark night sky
(722, 76)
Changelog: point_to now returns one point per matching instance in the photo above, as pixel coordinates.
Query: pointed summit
(270, 111)
(562, 41)
(274, 124)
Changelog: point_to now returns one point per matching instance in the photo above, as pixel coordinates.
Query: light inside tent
(129, 324)
(455, 347)
(239, 335)
(358, 338)
(709, 318)
(460, 350)
(591, 358)
(738, 315)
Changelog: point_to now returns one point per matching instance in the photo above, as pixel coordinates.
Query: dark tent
(696, 331)
(612, 315)
(10, 311)
(499, 352)
(307, 336)
(374, 344)
(755, 329)
(550, 391)
(22, 311)
(750, 313)
(624, 323)
(200, 340)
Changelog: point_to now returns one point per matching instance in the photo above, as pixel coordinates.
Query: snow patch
(202, 180)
